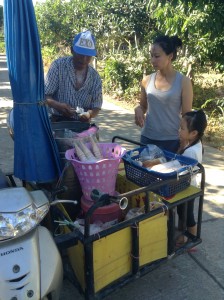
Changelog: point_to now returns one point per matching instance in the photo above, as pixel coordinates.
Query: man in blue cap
(73, 88)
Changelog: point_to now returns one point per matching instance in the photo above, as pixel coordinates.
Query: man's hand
(88, 115)
(65, 109)
(85, 117)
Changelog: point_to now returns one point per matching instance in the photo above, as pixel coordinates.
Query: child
(193, 125)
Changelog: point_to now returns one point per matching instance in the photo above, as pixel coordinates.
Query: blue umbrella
(36, 157)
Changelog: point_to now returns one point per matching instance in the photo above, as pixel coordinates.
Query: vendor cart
(104, 261)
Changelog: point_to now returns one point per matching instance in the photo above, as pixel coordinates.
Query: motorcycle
(31, 265)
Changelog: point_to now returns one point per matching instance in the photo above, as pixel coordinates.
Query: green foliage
(1, 17)
(2, 42)
(2, 47)
(209, 92)
(115, 76)
(117, 24)
(215, 106)
(131, 24)
(52, 23)
(200, 25)
(124, 30)
(49, 54)
(125, 24)
(124, 21)
(123, 73)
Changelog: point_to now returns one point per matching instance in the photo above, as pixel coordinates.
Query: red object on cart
(104, 214)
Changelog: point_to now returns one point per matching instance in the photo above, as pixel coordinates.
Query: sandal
(192, 230)
(184, 238)
(181, 240)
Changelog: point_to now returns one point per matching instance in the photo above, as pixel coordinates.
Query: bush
(49, 54)
(2, 47)
(123, 73)
(215, 107)
(208, 90)
(115, 76)
(2, 42)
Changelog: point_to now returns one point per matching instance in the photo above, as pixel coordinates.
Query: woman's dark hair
(196, 120)
(169, 44)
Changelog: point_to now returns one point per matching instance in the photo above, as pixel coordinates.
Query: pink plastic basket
(99, 175)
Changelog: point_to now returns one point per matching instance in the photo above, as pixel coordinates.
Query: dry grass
(214, 135)
(130, 105)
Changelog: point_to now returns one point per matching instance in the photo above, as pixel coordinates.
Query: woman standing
(165, 95)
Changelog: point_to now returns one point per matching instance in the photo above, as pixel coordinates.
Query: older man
(73, 88)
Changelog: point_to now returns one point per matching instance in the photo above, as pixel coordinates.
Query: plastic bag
(151, 155)
(168, 167)
(151, 152)
(96, 227)
(69, 133)
(134, 212)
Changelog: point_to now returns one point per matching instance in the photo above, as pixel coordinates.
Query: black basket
(143, 177)
(65, 143)
(75, 126)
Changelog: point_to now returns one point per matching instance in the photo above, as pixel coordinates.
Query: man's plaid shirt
(60, 84)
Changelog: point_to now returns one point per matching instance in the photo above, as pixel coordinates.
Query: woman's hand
(139, 116)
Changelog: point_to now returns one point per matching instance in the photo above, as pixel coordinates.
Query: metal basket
(65, 143)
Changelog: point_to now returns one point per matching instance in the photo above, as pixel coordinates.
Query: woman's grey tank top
(164, 110)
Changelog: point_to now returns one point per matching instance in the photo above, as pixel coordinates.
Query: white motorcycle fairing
(30, 267)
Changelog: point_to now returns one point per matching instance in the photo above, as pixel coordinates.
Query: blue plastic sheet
(36, 157)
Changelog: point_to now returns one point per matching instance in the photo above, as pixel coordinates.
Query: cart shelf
(107, 260)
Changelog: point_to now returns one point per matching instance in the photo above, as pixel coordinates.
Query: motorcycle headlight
(17, 224)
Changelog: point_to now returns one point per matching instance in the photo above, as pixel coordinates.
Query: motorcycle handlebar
(55, 202)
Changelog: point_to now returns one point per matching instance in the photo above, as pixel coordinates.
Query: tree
(125, 28)
(1, 17)
(199, 23)
(115, 23)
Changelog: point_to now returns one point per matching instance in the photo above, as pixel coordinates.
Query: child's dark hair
(196, 120)
(169, 44)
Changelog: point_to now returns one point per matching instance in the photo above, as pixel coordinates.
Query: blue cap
(84, 43)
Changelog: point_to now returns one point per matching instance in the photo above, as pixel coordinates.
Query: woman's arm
(141, 109)
(187, 95)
